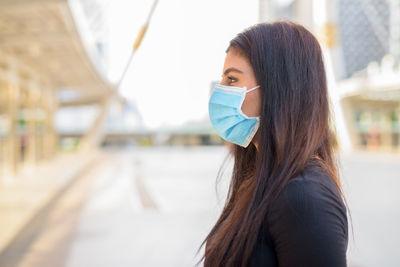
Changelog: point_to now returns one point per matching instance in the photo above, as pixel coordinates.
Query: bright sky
(181, 54)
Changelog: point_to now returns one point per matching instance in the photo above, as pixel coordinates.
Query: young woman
(285, 206)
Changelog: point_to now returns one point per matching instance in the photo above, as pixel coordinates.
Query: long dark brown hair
(296, 130)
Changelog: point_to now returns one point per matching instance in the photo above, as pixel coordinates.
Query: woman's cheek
(252, 104)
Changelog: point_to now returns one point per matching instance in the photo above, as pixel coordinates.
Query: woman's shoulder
(307, 223)
(310, 197)
(309, 186)
(312, 182)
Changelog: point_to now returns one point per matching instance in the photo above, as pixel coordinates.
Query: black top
(306, 226)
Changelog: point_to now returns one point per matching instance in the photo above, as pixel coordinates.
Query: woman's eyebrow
(232, 69)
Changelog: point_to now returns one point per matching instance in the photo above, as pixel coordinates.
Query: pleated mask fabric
(226, 116)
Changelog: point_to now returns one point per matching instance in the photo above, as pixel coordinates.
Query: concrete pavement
(153, 207)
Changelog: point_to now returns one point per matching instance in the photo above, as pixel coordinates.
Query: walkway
(152, 207)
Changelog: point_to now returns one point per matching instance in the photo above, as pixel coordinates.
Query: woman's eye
(231, 79)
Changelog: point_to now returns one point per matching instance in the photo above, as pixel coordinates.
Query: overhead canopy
(59, 39)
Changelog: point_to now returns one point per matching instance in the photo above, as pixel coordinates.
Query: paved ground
(372, 185)
(153, 207)
(25, 198)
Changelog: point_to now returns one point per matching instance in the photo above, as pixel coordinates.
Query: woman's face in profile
(238, 72)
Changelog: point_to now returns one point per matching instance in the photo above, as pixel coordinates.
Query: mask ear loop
(254, 88)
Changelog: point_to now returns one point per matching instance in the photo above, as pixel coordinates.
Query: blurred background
(107, 155)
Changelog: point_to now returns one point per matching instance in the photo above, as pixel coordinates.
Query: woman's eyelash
(232, 78)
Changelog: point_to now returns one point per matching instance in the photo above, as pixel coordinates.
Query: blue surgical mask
(227, 118)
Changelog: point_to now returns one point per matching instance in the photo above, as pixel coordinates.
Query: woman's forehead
(237, 61)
